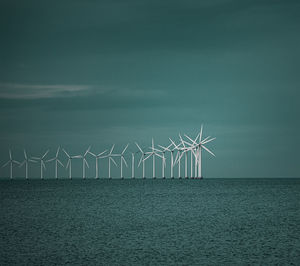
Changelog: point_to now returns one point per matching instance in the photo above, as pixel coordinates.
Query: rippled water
(137, 222)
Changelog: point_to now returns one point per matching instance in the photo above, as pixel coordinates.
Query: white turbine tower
(57, 161)
(97, 157)
(109, 156)
(84, 161)
(11, 162)
(123, 160)
(42, 163)
(152, 153)
(69, 163)
(26, 162)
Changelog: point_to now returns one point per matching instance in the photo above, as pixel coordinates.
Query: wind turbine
(11, 162)
(110, 155)
(141, 159)
(123, 160)
(57, 161)
(26, 162)
(69, 163)
(199, 147)
(152, 153)
(84, 161)
(98, 156)
(163, 151)
(178, 157)
(42, 163)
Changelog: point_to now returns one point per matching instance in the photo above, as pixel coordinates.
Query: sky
(79, 73)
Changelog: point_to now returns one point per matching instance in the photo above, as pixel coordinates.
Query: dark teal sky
(100, 72)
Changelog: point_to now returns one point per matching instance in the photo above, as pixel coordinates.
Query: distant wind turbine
(11, 162)
(97, 157)
(57, 161)
(26, 162)
(69, 163)
(42, 163)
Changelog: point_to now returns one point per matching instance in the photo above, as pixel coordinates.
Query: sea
(150, 222)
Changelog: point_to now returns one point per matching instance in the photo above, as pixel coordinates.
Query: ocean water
(150, 222)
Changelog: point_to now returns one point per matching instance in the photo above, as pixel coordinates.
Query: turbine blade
(22, 163)
(32, 161)
(45, 154)
(141, 159)
(201, 130)
(43, 165)
(101, 153)
(125, 148)
(158, 155)
(50, 160)
(113, 161)
(93, 154)
(147, 157)
(189, 139)
(9, 151)
(112, 148)
(57, 151)
(87, 151)
(68, 163)
(25, 154)
(85, 161)
(208, 151)
(66, 153)
(208, 140)
(124, 161)
(60, 163)
(139, 147)
(6, 163)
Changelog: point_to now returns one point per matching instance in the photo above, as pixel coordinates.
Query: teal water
(150, 222)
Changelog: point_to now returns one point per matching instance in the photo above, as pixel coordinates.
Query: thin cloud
(30, 91)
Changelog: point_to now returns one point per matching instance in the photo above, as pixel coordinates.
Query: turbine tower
(57, 161)
(26, 162)
(42, 163)
(97, 157)
(11, 162)
(69, 163)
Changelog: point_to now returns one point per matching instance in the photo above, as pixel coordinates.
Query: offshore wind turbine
(42, 163)
(199, 146)
(123, 160)
(26, 162)
(97, 157)
(11, 162)
(163, 151)
(141, 159)
(152, 153)
(109, 156)
(57, 161)
(84, 161)
(69, 163)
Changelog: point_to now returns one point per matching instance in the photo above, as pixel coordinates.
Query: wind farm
(169, 154)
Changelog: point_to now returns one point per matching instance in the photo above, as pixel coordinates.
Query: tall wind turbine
(97, 157)
(57, 161)
(163, 152)
(123, 160)
(42, 163)
(84, 161)
(198, 147)
(11, 162)
(69, 163)
(109, 156)
(152, 153)
(141, 159)
(26, 162)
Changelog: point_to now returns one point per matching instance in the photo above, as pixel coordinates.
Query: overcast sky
(75, 73)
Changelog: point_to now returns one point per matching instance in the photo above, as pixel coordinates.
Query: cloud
(30, 91)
